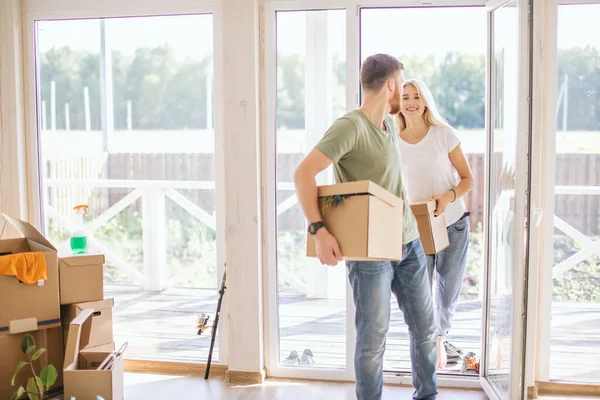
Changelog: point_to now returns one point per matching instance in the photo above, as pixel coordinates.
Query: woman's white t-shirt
(427, 170)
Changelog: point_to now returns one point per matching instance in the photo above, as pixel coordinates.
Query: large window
(125, 112)
(452, 65)
(575, 341)
(311, 81)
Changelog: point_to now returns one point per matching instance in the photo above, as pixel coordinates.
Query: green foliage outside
(171, 94)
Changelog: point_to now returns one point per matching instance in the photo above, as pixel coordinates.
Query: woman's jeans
(450, 265)
(373, 283)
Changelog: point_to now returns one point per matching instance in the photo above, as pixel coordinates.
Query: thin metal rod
(216, 323)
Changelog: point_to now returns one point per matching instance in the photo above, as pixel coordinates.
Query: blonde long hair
(431, 115)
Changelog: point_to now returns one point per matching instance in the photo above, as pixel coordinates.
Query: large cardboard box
(81, 276)
(432, 229)
(28, 307)
(101, 320)
(82, 379)
(367, 223)
(10, 348)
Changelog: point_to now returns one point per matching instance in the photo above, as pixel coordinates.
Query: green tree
(582, 66)
(290, 92)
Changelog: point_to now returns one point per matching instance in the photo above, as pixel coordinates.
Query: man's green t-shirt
(361, 151)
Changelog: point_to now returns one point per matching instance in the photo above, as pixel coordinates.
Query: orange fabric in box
(29, 268)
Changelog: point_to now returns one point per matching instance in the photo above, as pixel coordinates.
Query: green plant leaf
(19, 366)
(27, 342)
(18, 393)
(38, 354)
(30, 350)
(48, 375)
(32, 389)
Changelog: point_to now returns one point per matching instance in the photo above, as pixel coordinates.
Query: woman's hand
(442, 201)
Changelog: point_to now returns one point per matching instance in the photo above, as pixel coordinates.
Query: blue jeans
(373, 283)
(450, 265)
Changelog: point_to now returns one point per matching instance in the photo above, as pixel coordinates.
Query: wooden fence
(580, 211)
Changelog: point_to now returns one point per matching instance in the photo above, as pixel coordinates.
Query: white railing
(589, 247)
(153, 194)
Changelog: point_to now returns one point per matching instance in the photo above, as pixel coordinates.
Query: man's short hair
(377, 69)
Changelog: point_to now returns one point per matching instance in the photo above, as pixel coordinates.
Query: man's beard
(395, 103)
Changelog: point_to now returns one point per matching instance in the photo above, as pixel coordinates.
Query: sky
(410, 31)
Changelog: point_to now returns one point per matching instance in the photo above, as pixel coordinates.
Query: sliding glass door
(508, 188)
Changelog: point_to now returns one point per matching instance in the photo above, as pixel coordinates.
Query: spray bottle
(79, 240)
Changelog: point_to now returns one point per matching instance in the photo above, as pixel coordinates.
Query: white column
(106, 87)
(321, 281)
(53, 106)
(238, 123)
(86, 104)
(67, 117)
(13, 175)
(129, 116)
(209, 100)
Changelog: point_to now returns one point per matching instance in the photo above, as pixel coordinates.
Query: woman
(434, 167)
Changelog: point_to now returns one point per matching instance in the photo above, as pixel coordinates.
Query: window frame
(49, 10)
(269, 173)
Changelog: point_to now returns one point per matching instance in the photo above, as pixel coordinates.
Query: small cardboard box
(81, 277)
(367, 224)
(432, 229)
(82, 379)
(28, 307)
(101, 320)
(10, 348)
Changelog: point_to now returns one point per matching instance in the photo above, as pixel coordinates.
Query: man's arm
(339, 140)
(306, 185)
(328, 249)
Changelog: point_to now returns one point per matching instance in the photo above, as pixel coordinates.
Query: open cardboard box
(432, 229)
(102, 324)
(28, 307)
(82, 379)
(367, 224)
(81, 276)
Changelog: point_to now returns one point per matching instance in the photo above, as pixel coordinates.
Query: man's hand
(442, 201)
(328, 249)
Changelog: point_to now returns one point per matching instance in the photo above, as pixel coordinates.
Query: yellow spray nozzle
(81, 207)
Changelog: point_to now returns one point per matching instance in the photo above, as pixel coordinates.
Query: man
(363, 145)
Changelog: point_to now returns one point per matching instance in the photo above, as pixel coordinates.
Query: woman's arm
(460, 163)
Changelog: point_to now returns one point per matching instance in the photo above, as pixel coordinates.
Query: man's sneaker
(470, 364)
(292, 359)
(307, 358)
(453, 356)
(454, 348)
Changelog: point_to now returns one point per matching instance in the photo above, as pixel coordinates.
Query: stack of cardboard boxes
(65, 313)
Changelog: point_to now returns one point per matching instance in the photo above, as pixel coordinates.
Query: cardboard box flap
(82, 260)
(360, 187)
(78, 338)
(27, 231)
(423, 207)
(97, 305)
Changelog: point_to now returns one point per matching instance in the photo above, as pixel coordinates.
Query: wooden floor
(163, 327)
(150, 387)
(161, 387)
